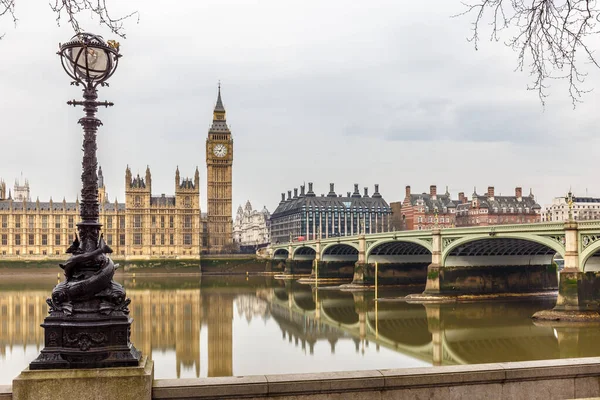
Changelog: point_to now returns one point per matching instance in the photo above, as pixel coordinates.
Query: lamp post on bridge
(569, 200)
(88, 324)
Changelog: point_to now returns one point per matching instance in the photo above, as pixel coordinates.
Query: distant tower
(2, 190)
(102, 195)
(22, 191)
(219, 160)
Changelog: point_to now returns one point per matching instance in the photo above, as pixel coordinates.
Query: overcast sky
(386, 92)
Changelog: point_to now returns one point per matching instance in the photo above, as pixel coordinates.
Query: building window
(109, 239)
(187, 239)
(171, 239)
(162, 238)
(17, 240)
(153, 221)
(57, 240)
(56, 222)
(71, 222)
(121, 222)
(137, 221)
(31, 240)
(137, 239)
(122, 239)
(44, 222)
(17, 221)
(31, 222)
(171, 222)
(187, 202)
(137, 201)
(4, 240)
(44, 240)
(154, 239)
(187, 221)
(162, 221)
(109, 222)
(5, 221)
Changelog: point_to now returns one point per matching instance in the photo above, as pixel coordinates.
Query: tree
(551, 37)
(71, 9)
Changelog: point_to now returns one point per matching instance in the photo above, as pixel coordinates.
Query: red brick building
(489, 209)
(419, 211)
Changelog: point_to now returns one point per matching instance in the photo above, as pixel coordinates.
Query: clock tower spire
(219, 161)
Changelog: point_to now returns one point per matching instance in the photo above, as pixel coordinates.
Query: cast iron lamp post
(89, 324)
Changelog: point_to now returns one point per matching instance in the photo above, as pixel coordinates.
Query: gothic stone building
(145, 226)
(489, 209)
(306, 216)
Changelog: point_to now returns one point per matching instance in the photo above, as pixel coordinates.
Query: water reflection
(216, 326)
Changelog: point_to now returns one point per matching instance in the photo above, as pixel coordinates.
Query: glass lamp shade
(87, 58)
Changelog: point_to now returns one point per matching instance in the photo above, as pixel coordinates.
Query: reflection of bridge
(458, 260)
(439, 334)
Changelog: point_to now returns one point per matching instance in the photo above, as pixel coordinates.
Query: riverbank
(237, 264)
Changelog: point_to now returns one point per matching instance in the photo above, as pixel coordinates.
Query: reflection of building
(584, 208)
(489, 209)
(251, 307)
(251, 227)
(21, 314)
(168, 319)
(306, 215)
(424, 211)
(219, 318)
(219, 160)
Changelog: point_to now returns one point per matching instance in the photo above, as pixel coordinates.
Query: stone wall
(544, 380)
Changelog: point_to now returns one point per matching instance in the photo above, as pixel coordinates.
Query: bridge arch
(280, 254)
(590, 255)
(304, 253)
(340, 252)
(390, 250)
(525, 245)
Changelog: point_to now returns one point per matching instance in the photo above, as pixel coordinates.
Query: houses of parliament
(145, 226)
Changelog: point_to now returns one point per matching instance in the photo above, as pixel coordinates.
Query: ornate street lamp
(89, 324)
(569, 200)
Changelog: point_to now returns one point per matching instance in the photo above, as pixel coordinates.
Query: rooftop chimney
(519, 193)
(356, 192)
(366, 192)
(376, 194)
(331, 191)
(408, 191)
(433, 192)
(461, 198)
(310, 190)
(302, 191)
(348, 194)
(282, 197)
(490, 192)
(295, 193)
(289, 195)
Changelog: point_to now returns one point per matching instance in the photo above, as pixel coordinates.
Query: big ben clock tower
(219, 159)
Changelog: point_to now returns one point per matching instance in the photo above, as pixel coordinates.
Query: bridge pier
(578, 291)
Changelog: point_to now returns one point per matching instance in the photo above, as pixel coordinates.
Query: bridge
(462, 261)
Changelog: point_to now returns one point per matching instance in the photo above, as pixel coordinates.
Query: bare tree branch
(550, 38)
(71, 10)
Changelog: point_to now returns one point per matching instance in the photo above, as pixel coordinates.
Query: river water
(195, 326)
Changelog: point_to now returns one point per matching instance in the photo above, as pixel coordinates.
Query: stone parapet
(544, 380)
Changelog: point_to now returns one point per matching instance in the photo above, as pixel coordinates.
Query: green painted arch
(295, 249)
(420, 242)
(587, 253)
(525, 236)
(355, 246)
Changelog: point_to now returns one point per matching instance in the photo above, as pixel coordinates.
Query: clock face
(220, 150)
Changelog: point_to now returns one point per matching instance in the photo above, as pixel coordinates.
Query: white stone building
(584, 208)
(251, 227)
